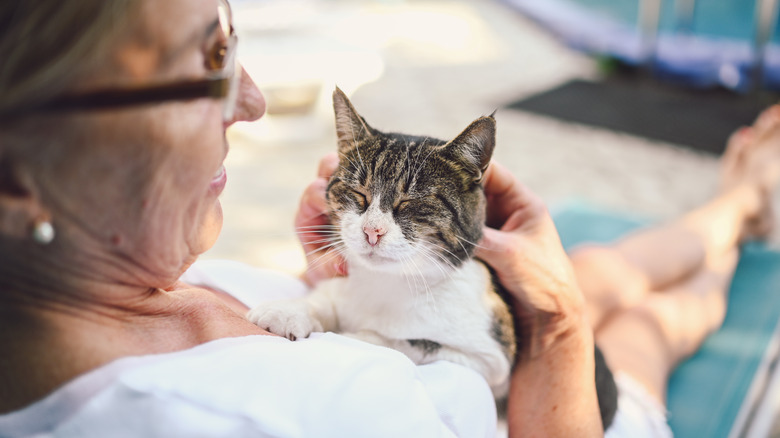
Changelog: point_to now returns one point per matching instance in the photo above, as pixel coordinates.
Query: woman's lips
(219, 181)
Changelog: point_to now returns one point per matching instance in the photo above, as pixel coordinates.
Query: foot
(751, 170)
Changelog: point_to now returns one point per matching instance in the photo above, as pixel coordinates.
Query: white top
(324, 386)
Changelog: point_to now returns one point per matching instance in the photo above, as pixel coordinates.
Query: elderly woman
(112, 139)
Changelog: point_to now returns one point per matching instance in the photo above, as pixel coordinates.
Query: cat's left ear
(475, 145)
(351, 128)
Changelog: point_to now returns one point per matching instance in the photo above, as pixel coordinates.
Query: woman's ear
(20, 207)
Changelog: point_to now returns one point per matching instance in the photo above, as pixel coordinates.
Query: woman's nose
(250, 104)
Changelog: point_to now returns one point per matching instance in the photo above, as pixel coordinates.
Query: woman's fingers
(522, 245)
(506, 196)
(497, 249)
(313, 207)
(314, 228)
(328, 165)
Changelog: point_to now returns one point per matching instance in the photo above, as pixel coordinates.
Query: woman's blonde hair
(46, 45)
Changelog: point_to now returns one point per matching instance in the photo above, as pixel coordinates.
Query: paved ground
(426, 68)
(429, 68)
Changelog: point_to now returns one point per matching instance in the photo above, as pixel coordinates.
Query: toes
(768, 119)
(736, 144)
(732, 161)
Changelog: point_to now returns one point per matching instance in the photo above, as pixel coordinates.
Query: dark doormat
(698, 119)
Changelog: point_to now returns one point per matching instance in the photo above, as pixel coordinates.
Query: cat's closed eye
(401, 205)
(362, 199)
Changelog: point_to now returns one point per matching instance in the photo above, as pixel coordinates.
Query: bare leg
(648, 340)
(619, 276)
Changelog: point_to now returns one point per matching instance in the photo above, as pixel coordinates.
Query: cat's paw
(288, 318)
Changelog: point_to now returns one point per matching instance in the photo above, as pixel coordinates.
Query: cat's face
(404, 202)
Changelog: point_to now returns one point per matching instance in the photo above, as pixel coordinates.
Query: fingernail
(341, 268)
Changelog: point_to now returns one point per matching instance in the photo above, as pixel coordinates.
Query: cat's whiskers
(430, 298)
(318, 232)
(324, 230)
(319, 238)
(324, 247)
(322, 259)
(317, 229)
(325, 240)
(431, 255)
(303, 231)
(471, 243)
(465, 251)
(441, 247)
(405, 260)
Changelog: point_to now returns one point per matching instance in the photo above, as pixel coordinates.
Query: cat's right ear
(351, 128)
(474, 146)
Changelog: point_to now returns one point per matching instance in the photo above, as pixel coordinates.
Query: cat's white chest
(404, 307)
(451, 318)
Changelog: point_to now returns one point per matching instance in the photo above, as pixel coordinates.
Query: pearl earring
(43, 232)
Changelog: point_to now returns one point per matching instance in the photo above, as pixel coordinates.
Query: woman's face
(141, 191)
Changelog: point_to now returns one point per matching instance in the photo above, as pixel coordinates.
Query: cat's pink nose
(373, 234)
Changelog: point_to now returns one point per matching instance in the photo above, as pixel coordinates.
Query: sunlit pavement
(425, 68)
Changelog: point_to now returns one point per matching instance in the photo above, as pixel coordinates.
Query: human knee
(603, 270)
(592, 259)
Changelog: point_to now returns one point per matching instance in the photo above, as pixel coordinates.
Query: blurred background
(622, 104)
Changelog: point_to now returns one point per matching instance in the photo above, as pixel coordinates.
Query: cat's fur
(408, 212)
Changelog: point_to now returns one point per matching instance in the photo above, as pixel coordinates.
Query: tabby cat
(407, 212)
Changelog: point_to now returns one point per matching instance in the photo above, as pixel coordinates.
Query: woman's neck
(43, 347)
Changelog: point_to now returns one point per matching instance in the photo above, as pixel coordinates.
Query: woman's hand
(553, 389)
(530, 262)
(314, 228)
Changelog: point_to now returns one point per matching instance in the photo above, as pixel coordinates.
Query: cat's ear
(351, 128)
(475, 145)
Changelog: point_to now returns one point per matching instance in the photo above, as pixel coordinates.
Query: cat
(407, 213)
